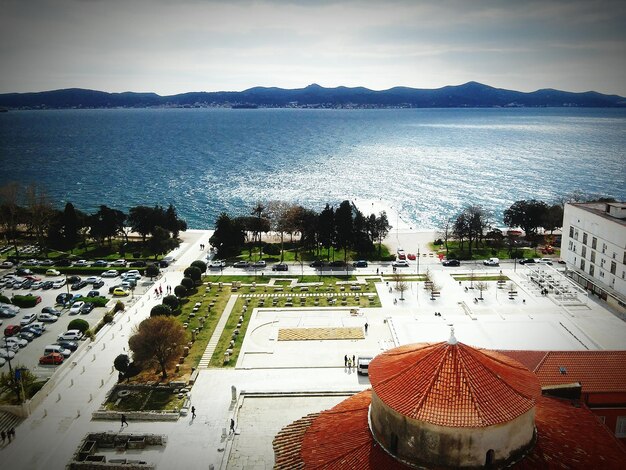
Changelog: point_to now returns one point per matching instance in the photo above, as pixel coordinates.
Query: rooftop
(452, 384)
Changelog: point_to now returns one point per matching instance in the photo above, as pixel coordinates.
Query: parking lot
(29, 355)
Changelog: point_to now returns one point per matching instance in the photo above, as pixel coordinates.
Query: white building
(594, 247)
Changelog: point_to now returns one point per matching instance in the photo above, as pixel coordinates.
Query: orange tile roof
(597, 371)
(453, 384)
(568, 437)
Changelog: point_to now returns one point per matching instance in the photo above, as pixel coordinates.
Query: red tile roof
(597, 371)
(568, 437)
(453, 384)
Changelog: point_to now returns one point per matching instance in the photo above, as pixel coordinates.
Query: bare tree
(401, 285)
(446, 232)
(10, 212)
(39, 212)
(158, 340)
(482, 286)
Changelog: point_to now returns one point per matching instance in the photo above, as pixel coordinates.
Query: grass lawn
(145, 399)
(291, 255)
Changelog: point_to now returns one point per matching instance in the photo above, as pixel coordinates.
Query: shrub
(78, 324)
(171, 301)
(119, 306)
(271, 249)
(97, 301)
(180, 291)
(438, 242)
(25, 301)
(194, 273)
(89, 334)
(152, 271)
(4, 299)
(201, 265)
(136, 254)
(107, 318)
(160, 309)
(187, 283)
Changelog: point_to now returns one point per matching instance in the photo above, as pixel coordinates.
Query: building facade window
(594, 243)
(593, 257)
(624, 260)
(620, 426)
(571, 231)
(603, 248)
(582, 264)
(583, 252)
(613, 267)
(591, 269)
(584, 238)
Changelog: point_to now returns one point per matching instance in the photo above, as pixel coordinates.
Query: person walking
(232, 425)
(123, 419)
(345, 361)
(160, 290)
(353, 360)
(366, 326)
(193, 412)
(9, 435)
(3, 435)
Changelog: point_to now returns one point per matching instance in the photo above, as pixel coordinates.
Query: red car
(12, 330)
(411, 256)
(52, 358)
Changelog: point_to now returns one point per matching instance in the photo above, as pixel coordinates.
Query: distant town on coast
(468, 95)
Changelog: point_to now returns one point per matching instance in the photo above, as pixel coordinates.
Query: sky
(171, 47)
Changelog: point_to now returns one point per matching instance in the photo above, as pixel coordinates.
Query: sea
(426, 164)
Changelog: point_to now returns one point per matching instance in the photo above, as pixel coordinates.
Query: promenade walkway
(219, 328)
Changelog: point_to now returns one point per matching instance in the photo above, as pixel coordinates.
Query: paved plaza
(277, 381)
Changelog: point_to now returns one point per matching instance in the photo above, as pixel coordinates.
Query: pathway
(219, 328)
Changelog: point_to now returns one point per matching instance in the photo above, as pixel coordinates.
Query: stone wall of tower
(419, 443)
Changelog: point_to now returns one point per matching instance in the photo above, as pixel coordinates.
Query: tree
(344, 227)
(401, 285)
(171, 301)
(228, 237)
(144, 219)
(78, 324)
(121, 363)
(159, 310)
(160, 242)
(553, 218)
(16, 380)
(482, 286)
(326, 228)
(173, 223)
(382, 229)
(152, 271)
(445, 232)
(180, 291)
(158, 340)
(11, 214)
(187, 283)
(528, 215)
(194, 273)
(106, 224)
(39, 212)
(201, 265)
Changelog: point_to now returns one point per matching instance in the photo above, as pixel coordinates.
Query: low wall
(137, 415)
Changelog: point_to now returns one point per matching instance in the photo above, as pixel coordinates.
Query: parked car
(119, 262)
(451, 262)
(360, 264)
(67, 344)
(337, 264)
(9, 347)
(36, 285)
(47, 317)
(71, 335)
(259, 264)
(138, 264)
(93, 293)
(546, 261)
(217, 264)
(51, 359)
(120, 292)
(52, 311)
(6, 265)
(81, 263)
(317, 264)
(58, 284)
(23, 272)
(527, 261)
(411, 256)
(79, 285)
(73, 279)
(21, 343)
(98, 284)
(492, 262)
(63, 262)
(28, 319)
(92, 279)
(27, 284)
(52, 272)
(362, 365)
(46, 262)
(110, 273)
(132, 273)
(27, 335)
(280, 267)
(12, 330)
(100, 264)
(76, 306)
(241, 264)
(47, 285)
(6, 353)
(33, 329)
(86, 308)
(401, 254)
(63, 298)
(402, 263)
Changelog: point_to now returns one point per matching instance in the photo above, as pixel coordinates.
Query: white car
(58, 284)
(402, 263)
(6, 353)
(70, 335)
(93, 279)
(22, 343)
(218, 263)
(119, 262)
(111, 273)
(28, 319)
(37, 285)
(38, 325)
(76, 306)
(492, 262)
(81, 263)
(6, 264)
(52, 272)
(47, 317)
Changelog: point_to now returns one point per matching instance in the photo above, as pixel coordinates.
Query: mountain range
(468, 95)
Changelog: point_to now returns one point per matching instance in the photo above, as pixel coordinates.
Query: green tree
(528, 215)
(326, 228)
(228, 237)
(152, 271)
(171, 301)
(159, 310)
(194, 273)
(17, 379)
(553, 218)
(344, 228)
(121, 363)
(201, 265)
(180, 291)
(78, 324)
(173, 223)
(187, 283)
(144, 219)
(158, 340)
(106, 224)
(160, 242)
